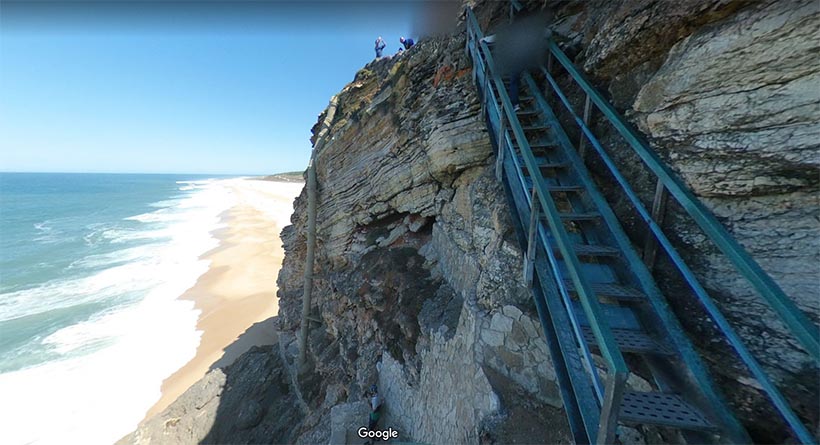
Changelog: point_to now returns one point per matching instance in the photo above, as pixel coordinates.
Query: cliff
(418, 276)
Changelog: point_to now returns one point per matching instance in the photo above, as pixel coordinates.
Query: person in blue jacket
(406, 42)
(380, 46)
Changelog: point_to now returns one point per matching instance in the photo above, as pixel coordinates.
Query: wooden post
(650, 248)
(484, 96)
(611, 408)
(311, 245)
(499, 164)
(582, 144)
(529, 258)
(321, 137)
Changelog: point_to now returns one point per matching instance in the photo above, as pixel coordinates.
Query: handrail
(562, 290)
(734, 339)
(793, 317)
(600, 327)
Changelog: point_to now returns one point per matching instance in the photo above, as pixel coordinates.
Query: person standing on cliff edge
(380, 46)
(408, 43)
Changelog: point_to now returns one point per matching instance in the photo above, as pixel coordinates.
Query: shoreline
(237, 294)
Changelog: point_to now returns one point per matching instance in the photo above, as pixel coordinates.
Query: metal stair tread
(537, 145)
(576, 216)
(618, 316)
(592, 250)
(611, 290)
(678, 370)
(556, 187)
(545, 164)
(629, 340)
(661, 409)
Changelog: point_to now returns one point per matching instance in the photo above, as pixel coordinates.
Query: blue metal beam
(804, 330)
(646, 280)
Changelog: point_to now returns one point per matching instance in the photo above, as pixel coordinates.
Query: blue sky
(184, 92)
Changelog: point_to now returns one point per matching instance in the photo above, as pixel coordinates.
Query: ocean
(91, 268)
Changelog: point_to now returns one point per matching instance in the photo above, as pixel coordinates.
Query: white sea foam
(113, 364)
(46, 233)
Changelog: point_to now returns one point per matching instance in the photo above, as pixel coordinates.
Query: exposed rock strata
(418, 276)
(418, 272)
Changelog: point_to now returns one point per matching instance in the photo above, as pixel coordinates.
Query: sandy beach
(239, 289)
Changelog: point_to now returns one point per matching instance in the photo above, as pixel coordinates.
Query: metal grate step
(578, 216)
(544, 164)
(661, 409)
(612, 290)
(538, 145)
(521, 100)
(629, 340)
(618, 316)
(536, 128)
(591, 250)
(553, 165)
(562, 188)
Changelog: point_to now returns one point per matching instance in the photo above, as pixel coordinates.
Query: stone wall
(451, 396)
(452, 399)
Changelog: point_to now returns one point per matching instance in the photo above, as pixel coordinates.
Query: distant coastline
(297, 176)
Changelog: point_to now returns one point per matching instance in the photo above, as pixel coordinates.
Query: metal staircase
(595, 295)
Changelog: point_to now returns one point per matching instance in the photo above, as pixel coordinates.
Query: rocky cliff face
(418, 275)
(418, 282)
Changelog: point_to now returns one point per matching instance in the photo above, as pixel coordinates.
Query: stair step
(618, 316)
(521, 100)
(553, 165)
(664, 409)
(629, 340)
(579, 216)
(611, 290)
(558, 188)
(524, 113)
(535, 127)
(538, 145)
(566, 188)
(592, 250)
(543, 164)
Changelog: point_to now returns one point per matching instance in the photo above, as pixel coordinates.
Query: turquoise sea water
(91, 266)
